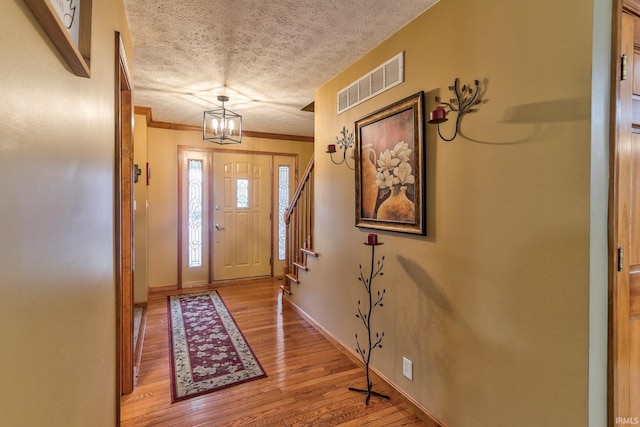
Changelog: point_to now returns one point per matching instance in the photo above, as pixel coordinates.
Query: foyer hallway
(307, 376)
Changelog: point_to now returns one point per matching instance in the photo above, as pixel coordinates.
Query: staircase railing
(299, 230)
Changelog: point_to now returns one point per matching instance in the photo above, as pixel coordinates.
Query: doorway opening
(230, 209)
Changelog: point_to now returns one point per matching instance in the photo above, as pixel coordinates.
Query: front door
(241, 215)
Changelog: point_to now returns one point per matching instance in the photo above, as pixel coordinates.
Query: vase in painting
(397, 207)
(369, 189)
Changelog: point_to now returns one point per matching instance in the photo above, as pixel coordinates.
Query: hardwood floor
(307, 376)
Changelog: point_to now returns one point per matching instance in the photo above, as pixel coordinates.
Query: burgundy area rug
(208, 351)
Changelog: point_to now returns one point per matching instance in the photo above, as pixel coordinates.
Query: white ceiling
(267, 56)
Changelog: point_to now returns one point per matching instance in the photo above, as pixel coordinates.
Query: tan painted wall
(57, 286)
(492, 305)
(140, 280)
(163, 191)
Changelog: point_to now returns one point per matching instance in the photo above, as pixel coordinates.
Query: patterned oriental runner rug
(208, 351)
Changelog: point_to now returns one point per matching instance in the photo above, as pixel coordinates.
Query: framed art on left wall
(68, 25)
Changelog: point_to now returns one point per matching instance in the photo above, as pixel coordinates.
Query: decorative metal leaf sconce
(466, 98)
(343, 143)
(136, 173)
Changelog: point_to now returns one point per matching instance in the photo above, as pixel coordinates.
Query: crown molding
(146, 111)
(143, 111)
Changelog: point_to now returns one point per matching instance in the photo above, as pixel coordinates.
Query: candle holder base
(369, 393)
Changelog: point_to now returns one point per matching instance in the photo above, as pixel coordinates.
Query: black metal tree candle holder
(465, 101)
(365, 316)
(343, 143)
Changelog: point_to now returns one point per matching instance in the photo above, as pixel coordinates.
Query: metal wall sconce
(342, 143)
(136, 173)
(466, 98)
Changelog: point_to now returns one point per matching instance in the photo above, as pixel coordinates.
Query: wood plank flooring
(307, 376)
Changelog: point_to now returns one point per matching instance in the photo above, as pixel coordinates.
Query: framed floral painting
(389, 168)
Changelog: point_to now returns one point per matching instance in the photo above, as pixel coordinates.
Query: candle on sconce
(438, 115)
(331, 148)
(372, 239)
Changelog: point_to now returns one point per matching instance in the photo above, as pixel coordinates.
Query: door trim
(123, 220)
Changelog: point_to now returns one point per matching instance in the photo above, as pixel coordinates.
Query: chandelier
(222, 126)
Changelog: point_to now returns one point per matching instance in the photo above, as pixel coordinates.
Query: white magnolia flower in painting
(394, 167)
(384, 179)
(387, 161)
(402, 151)
(402, 174)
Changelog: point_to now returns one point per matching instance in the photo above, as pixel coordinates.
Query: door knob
(219, 228)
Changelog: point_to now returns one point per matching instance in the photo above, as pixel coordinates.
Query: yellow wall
(57, 285)
(163, 191)
(492, 306)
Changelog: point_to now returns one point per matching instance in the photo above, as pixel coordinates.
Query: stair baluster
(299, 230)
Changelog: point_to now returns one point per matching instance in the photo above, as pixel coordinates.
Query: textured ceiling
(267, 56)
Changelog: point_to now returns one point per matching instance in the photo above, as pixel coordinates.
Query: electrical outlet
(407, 368)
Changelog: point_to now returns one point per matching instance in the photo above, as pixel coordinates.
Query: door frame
(212, 150)
(123, 221)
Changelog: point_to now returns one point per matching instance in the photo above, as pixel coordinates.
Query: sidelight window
(283, 204)
(195, 213)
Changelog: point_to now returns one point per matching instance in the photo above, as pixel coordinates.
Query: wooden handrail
(299, 229)
(301, 186)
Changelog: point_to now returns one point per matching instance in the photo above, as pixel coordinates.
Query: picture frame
(389, 168)
(68, 25)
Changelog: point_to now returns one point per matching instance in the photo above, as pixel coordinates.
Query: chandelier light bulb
(222, 126)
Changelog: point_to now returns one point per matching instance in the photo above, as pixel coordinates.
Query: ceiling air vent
(386, 76)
